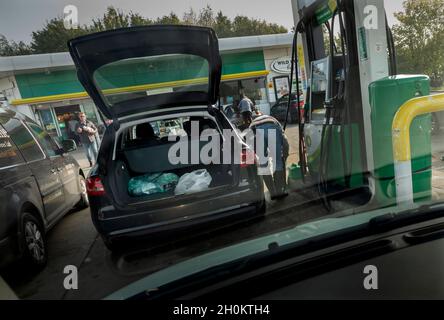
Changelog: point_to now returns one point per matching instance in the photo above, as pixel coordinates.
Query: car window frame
(44, 155)
(42, 148)
(22, 158)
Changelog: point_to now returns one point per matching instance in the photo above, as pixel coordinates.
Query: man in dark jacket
(263, 127)
(87, 132)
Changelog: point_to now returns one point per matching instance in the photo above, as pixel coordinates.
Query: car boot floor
(100, 272)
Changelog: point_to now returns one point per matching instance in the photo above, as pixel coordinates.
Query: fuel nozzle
(329, 104)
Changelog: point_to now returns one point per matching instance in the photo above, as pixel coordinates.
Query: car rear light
(294, 105)
(94, 187)
(248, 158)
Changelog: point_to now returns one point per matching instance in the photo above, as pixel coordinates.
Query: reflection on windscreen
(133, 78)
(176, 178)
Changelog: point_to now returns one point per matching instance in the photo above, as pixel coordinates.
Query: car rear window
(133, 78)
(162, 129)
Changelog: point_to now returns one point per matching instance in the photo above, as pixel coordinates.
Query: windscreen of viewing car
(106, 192)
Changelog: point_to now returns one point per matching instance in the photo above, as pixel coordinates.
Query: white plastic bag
(192, 182)
(267, 170)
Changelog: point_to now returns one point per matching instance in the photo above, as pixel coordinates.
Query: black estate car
(279, 109)
(39, 184)
(122, 70)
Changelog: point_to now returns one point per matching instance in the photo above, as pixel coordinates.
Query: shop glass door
(67, 116)
(49, 122)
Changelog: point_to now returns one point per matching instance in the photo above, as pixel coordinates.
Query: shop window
(48, 121)
(229, 92)
(90, 110)
(67, 117)
(255, 89)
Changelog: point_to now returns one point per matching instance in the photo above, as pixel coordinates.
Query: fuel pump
(346, 48)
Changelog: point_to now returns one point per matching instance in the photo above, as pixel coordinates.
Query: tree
(54, 36)
(419, 37)
(12, 48)
(223, 26)
(112, 19)
(137, 20)
(190, 18)
(115, 18)
(244, 26)
(206, 17)
(172, 18)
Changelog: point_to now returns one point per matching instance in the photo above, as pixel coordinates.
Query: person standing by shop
(87, 132)
(246, 106)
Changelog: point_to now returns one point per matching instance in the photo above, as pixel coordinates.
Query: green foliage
(9, 48)
(111, 19)
(419, 39)
(53, 36)
(172, 18)
(337, 41)
(223, 26)
(245, 26)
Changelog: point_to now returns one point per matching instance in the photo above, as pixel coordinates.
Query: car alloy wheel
(34, 241)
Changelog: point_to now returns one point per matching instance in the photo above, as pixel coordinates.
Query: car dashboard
(407, 263)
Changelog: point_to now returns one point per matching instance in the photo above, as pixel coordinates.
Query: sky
(18, 18)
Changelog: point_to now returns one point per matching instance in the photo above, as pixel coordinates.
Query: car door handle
(53, 170)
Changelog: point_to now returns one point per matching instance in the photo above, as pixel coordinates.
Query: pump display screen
(320, 88)
(319, 78)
